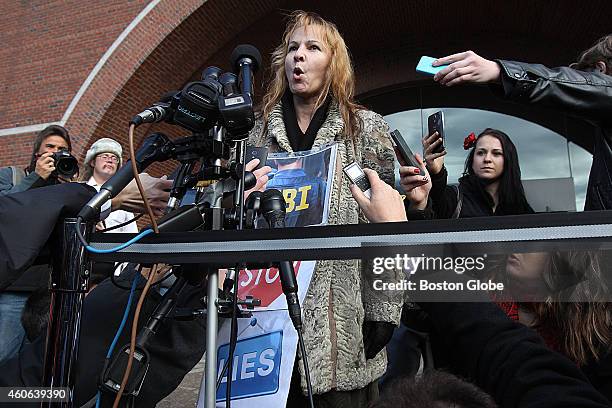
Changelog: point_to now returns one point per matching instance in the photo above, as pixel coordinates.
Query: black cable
(306, 370)
(77, 226)
(233, 340)
(117, 284)
(123, 224)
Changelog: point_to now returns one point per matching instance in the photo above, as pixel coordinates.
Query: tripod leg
(212, 323)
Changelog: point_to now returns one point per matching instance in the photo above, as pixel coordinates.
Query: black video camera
(66, 165)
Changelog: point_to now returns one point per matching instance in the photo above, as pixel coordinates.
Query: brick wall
(50, 47)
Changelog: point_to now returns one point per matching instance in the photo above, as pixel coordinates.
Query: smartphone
(260, 153)
(402, 151)
(354, 172)
(435, 123)
(424, 66)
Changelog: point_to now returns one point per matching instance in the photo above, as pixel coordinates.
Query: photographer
(40, 172)
(583, 90)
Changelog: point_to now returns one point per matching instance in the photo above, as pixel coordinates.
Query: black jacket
(174, 350)
(27, 222)
(583, 94)
(475, 201)
(508, 360)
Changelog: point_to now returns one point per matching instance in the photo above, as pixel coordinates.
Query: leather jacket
(586, 95)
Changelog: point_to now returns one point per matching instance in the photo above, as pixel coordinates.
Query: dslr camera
(66, 165)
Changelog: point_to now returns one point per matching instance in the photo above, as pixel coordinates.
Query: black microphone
(273, 209)
(160, 111)
(156, 147)
(246, 59)
(229, 82)
(211, 73)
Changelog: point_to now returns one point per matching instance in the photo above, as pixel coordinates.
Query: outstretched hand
(466, 67)
(385, 203)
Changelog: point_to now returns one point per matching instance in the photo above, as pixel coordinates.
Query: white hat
(104, 145)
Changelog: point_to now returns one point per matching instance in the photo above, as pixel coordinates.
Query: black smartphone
(435, 123)
(260, 153)
(402, 150)
(354, 172)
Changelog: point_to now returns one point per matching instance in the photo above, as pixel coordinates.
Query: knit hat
(104, 145)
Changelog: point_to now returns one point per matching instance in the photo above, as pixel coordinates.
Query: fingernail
(425, 178)
(417, 171)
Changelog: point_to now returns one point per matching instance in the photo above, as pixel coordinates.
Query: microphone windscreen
(248, 51)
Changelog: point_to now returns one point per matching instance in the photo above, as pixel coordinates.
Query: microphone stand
(69, 284)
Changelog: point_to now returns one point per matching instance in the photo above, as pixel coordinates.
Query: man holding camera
(39, 173)
(41, 170)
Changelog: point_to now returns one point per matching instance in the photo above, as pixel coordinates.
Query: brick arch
(160, 54)
(177, 39)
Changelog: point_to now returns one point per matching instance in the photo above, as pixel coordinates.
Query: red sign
(263, 284)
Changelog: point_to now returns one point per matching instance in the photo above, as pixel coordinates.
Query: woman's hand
(435, 161)
(416, 185)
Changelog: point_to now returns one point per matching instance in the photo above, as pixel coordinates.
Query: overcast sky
(542, 152)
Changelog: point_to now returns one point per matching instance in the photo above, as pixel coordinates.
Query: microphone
(211, 73)
(273, 209)
(160, 111)
(156, 147)
(246, 59)
(229, 82)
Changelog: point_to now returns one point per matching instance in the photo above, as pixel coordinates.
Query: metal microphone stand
(69, 283)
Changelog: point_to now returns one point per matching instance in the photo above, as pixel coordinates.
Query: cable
(79, 233)
(137, 178)
(128, 368)
(113, 278)
(122, 246)
(126, 313)
(306, 370)
(233, 340)
(123, 224)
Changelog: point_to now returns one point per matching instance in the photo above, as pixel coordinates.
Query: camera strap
(18, 175)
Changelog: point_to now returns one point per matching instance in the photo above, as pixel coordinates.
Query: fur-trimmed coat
(336, 304)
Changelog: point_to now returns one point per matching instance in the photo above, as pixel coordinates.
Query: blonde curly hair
(340, 77)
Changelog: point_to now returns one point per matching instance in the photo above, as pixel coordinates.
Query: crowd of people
(551, 351)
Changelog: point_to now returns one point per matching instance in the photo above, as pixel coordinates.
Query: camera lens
(66, 165)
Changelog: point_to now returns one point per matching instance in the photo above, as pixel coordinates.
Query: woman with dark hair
(565, 297)
(491, 182)
(310, 103)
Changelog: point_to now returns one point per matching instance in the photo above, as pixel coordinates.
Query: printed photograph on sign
(304, 179)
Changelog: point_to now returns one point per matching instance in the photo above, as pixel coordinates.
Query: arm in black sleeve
(585, 94)
(509, 360)
(28, 219)
(443, 197)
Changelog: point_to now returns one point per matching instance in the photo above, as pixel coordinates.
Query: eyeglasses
(109, 157)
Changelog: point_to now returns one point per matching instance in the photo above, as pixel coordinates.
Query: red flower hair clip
(469, 141)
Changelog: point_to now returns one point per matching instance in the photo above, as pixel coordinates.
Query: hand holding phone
(260, 153)
(355, 173)
(425, 66)
(435, 123)
(402, 151)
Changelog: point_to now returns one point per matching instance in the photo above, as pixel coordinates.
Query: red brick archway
(176, 40)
